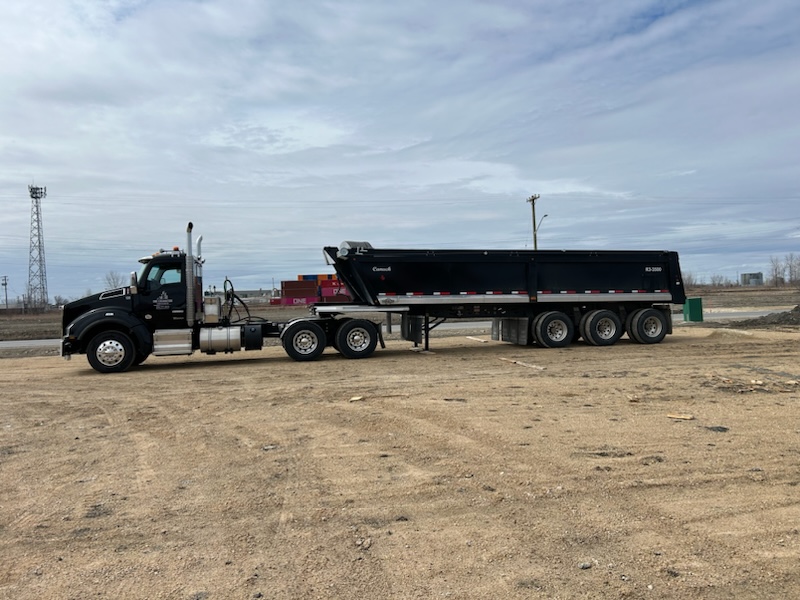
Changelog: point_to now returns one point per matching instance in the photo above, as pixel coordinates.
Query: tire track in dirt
(667, 535)
(413, 475)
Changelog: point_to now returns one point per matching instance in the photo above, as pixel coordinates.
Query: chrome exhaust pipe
(189, 277)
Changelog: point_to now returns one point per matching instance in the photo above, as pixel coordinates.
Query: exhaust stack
(189, 277)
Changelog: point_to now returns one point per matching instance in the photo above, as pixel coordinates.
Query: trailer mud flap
(516, 331)
(411, 328)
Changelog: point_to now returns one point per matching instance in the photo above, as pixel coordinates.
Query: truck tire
(649, 326)
(629, 325)
(553, 329)
(601, 327)
(356, 338)
(304, 340)
(110, 352)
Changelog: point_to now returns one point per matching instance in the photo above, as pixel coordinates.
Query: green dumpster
(693, 309)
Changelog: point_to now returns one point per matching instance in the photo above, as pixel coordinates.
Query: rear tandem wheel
(356, 338)
(601, 327)
(304, 340)
(553, 329)
(648, 326)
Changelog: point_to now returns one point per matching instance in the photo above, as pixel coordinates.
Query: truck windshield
(140, 274)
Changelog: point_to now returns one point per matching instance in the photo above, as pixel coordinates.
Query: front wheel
(304, 340)
(110, 352)
(357, 338)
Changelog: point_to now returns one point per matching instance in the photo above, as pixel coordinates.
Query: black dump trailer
(545, 297)
(551, 297)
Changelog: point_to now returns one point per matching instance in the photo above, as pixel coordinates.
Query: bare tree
(720, 281)
(796, 280)
(776, 269)
(792, 266)
(114, 279)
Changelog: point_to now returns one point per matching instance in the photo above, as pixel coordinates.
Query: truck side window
(163, 275)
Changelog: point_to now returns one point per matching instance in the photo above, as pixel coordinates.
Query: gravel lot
(478, 470)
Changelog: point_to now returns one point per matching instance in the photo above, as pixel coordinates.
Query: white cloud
(287, 127)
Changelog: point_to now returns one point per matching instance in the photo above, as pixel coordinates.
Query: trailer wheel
(649, 326)
(601, 327)
(357, 338)
(553, 329)
(110, 352)
(304, 340)
(629, 328)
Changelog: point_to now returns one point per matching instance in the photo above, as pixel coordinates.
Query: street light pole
(5, 285)
(533, 200)
(538, 225)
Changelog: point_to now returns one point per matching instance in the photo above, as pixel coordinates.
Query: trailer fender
(85, 327)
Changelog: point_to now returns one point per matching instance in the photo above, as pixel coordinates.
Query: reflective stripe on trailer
(597, 295)
(450, 298)
(521, 297)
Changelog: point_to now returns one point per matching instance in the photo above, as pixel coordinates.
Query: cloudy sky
(282, 127)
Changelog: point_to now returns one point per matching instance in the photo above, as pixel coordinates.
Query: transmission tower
(37, 273)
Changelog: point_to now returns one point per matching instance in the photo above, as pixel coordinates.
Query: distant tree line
(782, 272)
(786, 271)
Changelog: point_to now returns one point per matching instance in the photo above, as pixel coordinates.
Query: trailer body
(499, 280)
(546, 297)
(550, 297)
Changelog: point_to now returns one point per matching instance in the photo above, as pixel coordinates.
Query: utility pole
(533, 200)
(5, 287)
(37, 273)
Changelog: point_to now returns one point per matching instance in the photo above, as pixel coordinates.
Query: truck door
(162, 302)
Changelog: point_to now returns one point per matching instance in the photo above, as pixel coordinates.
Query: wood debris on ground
(523, 364)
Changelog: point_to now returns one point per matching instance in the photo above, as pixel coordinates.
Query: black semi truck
(545, 297)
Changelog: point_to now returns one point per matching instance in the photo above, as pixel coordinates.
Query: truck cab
(161, 287)
(116, 328)
(158, 312)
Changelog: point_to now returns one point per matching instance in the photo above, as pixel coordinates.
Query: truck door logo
(163, 302)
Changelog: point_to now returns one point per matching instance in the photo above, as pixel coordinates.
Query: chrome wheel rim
(305, 342)
(606, 329)
(110, 353)
(556, 331)
(358, 339)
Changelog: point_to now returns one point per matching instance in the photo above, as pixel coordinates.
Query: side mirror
(134, 283)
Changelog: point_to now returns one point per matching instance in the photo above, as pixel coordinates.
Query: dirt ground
(480, 470)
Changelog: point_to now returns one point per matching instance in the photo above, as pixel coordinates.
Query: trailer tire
(601, 327)
(553, 329)
(110, 352)
(629, 328)
(649, 326)
(356, 338)
(304, 340)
